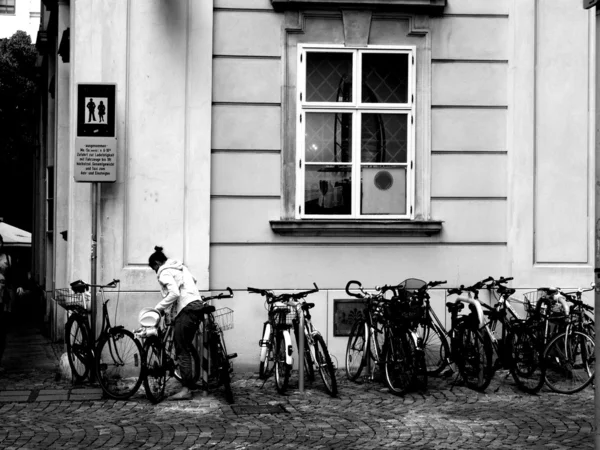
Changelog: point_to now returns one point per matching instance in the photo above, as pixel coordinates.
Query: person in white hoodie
(179, 291)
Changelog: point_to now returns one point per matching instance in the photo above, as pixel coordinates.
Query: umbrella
(14, 237)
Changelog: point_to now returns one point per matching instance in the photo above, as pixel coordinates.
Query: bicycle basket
(406, 312)
(224, 318)
(69, 300)
(283, 316)
(531, 299)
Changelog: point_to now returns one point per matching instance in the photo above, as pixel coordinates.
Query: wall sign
(345, 312)
(96, 141)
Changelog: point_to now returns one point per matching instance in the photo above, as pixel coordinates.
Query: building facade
(277, 143)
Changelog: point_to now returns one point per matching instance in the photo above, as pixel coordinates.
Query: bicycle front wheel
(155, 379)
(282, 368)
(325, 365)
(78, 347)
(525, 358)
(356, 350)
(119, 365)
(266, 346)
(473, 356)
(570, 360)
(398, 364)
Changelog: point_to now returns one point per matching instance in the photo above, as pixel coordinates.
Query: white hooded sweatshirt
(177, 285)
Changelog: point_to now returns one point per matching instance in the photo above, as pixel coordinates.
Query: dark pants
(3, 330)
(186, 324)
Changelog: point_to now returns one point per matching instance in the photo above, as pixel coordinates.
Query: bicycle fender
(477, 305)
(264, 348)
(288, 344)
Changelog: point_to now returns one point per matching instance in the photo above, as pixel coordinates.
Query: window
(7, 6)
(355, 132)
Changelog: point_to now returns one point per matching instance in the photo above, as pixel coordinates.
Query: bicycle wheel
(569, 360)
(356, 350)
(309, 366)
(525, 358)
(155, 379)
(119, 365)
(221, 361)
(436, 348)
(78, 347)
(473, 357)
(325, 365)
(282, 369)
(266, 358)
(398, 365)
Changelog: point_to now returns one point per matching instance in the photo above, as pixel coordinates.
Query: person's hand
(20, 291)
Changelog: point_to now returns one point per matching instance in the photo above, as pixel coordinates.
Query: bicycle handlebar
(80, 284)
(285, 297)
(220, 295)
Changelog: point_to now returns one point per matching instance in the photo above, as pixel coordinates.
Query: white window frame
(357, 108)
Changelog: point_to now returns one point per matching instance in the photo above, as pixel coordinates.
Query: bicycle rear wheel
(526, 358)
(119, 365)
(325, 365)
(282, 369)
(569, 362)
(155, 379)
(356, 350)
(78, 347)
(398, 364)
(473, 357)
(221, 361)
(436, 348)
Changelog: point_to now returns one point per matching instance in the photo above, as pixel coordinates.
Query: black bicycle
(159, 350)
(116, 355)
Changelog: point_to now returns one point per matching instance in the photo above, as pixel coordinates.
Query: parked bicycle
(570, 356)
(116, 355)
(159, 349)
(276, 343)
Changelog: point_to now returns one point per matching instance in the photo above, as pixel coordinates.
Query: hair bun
(157, 248)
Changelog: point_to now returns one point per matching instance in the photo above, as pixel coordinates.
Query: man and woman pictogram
(92, 107)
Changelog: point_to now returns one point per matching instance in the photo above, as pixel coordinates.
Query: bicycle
(367, 335)
(570, 354)
(160, 360)
(116, 355)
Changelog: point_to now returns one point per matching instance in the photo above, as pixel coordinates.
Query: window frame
(4, 5)
(357, 108)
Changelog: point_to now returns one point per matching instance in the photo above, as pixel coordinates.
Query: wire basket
(406, 312)
(70, 300)
(531, 299)
(224, 318)
(283, 316)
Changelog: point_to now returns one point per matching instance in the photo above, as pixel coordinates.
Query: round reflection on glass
(383, 180)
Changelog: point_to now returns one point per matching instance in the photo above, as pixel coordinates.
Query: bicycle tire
(221, 361)
(266, 363)
(282, 369)
(78, 347)
(356, 350)
(119, 363)
(436, 348)
(570, 361)
(472, 354)
(525, 357)
(155, 379)
(195, 367)
(398, 366)
(325, 365)
(309, 366)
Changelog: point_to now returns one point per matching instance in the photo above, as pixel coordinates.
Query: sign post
(95, 158)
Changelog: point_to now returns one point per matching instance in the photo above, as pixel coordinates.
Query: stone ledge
(356, 227)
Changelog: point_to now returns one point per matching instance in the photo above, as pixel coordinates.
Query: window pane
(327, 190)
(328, 77)
(384, 78)
(328, 137)
(383, 190)
(384, 138)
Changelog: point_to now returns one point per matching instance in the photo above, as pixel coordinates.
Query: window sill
(420, 6)
(356, 227)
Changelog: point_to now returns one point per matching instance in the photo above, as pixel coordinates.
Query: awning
(14, 237)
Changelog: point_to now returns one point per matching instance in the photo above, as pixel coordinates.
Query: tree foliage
(17, 127)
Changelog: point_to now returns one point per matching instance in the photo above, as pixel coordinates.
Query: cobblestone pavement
(47, 412)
